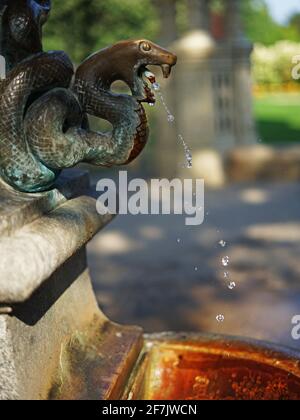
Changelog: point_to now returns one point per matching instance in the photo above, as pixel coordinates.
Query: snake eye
(145, 46)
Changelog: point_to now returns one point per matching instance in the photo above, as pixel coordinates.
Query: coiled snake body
(43, 123)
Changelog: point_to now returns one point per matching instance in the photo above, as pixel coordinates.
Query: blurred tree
(261, 28)
(259, 25)
(295, 22)
(81, 27)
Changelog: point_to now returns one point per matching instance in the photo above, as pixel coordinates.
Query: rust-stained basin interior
(189, 367)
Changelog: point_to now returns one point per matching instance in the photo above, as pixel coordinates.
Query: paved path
(143, 275)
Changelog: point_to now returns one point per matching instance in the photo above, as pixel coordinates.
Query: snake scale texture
(44, 104)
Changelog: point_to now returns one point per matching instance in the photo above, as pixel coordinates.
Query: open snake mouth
(145, 81)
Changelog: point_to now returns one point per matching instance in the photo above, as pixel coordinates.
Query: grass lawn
(278, 117)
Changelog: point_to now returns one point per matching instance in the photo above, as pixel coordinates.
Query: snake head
(127, 61)
(147, 54)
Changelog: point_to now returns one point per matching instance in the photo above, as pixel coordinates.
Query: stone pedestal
(55, 343)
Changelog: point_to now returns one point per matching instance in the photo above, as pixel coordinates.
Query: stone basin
(193, 367)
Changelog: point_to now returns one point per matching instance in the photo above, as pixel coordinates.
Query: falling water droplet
(225, 261)
(188, 154)
(196, 268)
(156, 87)
(152, 104)
(171, 118)
(222, 243)
(178, 240)
(220, 318)
(226, 275)
(232, 285)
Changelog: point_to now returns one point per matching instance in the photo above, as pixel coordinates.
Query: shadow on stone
(31, 311)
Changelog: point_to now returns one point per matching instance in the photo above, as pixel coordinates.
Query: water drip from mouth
(231, 285)
(220, 318)
(225, 261)
(170, 118)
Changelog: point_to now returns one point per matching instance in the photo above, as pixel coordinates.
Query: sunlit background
(238, 107)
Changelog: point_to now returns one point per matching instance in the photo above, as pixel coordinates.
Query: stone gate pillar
(199, 14)
(240, 49)
(190, 94)
(167, 15)
(211, 91)
(163, 155)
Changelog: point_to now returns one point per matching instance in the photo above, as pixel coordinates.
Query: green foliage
(260, 26)
(294, 23)
(277, 117)
(182, 17)
(273, 65)
(81, 27)
(217, 6)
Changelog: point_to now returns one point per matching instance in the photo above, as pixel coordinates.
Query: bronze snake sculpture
(44, 106)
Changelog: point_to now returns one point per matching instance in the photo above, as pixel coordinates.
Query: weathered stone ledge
(33, 253)
(18, 209)
(264, 163)
(55, 343)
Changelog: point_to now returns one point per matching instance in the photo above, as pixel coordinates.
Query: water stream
(170, 118)
(231, 285)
